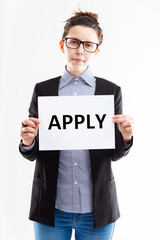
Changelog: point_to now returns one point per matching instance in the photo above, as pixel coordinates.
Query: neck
(75, 73)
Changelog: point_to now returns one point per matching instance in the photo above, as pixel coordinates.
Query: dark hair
(87, 19)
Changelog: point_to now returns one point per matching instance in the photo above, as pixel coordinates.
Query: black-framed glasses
(75, 43)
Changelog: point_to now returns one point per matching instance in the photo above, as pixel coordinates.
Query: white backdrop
(30, 33)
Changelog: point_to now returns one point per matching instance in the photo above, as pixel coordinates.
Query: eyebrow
(81, 40)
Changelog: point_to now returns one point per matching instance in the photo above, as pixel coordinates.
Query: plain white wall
(29, 43)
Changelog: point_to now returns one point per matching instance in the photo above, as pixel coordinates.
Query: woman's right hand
(29, 132)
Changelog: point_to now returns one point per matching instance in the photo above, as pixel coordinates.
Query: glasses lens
(75, 43)
(72, 43)
(90, 47)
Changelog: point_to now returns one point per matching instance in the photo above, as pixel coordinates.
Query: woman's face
(78, 59)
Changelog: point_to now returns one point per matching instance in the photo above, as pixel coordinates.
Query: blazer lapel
(99, 87)
(55, 86)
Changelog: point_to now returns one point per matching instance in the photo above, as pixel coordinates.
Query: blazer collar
(57, 81)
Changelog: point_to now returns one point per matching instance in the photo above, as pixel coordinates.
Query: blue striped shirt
(74, 185)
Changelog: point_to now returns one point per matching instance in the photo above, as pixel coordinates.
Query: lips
(77, 60)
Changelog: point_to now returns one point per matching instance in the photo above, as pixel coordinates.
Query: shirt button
(75, 164)
(75, 182)
(75, 93)
(76, 82)
(76, 79)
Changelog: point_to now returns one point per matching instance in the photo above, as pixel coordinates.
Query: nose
(80, 49)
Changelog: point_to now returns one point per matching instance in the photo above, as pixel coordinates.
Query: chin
(80, 67)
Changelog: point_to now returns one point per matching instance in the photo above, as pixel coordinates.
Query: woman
(75, 189)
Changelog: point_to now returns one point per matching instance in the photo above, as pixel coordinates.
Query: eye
(88, 45)
(73, 41)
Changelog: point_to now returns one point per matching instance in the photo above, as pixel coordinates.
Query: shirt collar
(87, 76)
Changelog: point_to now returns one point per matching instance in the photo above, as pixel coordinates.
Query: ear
(97, 52)
(61, 44)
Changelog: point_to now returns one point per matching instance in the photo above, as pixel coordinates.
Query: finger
(119, 120)
(123, 120)
(28, 129)
(31, 122)
(126, 124)
(35, 120)
(122, 116)
(27, 135)
(36, 128)
(129, 129)
(118, 115)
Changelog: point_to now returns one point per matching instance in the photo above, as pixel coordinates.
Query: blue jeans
(81, 222)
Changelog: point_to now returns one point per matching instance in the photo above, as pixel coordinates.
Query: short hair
(87, 19)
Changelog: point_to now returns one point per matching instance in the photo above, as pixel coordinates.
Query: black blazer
(105, 204)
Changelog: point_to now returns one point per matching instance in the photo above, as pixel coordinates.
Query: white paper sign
(76, 122)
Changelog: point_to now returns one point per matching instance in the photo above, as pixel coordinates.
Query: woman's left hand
(125, 125)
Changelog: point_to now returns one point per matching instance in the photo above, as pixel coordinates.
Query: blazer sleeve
(33, 112)
(121, 149)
